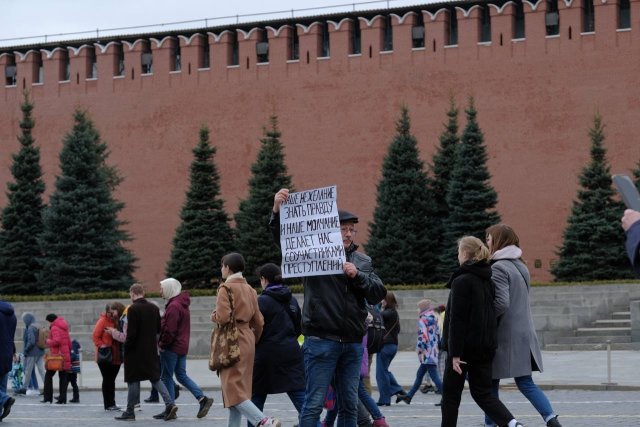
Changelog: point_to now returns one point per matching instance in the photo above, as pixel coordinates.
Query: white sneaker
(32, 392)
(270, 422)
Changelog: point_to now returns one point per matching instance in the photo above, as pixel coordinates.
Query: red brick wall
(535, 98)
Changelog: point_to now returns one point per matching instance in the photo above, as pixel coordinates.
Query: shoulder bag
(225, 347)
(54, 362)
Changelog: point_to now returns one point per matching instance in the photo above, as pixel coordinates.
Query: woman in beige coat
(236, 380)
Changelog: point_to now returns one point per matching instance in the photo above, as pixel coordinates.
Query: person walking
(387, 384)
(518, 352)
(279, 365)
(59, 344)
(33, 355)
(141, 360)
(109, 369)
(174, 343)
(333, 322)
(470, 336)
(76, 349)
(427, 348)
(236, 380)
(8, 324)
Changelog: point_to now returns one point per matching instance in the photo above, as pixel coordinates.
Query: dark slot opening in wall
(387, 34)
(355, 37)
(624, 14)
(485, 25)
(552, 18)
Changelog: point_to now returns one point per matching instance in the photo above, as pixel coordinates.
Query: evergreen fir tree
(268, 175)
(443, 164)
(82, 242)
(204, 236)
(593, 244)
(401, 241)
(471, 198)
(22, 217)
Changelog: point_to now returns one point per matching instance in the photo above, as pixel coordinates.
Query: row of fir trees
(77, 243)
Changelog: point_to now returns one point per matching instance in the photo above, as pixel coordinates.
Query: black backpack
(375, 331)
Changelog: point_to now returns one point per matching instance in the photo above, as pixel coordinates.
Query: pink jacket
(59, 341)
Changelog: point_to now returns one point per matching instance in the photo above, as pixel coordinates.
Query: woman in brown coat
(236, 380)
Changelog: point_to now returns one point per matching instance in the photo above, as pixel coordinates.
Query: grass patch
(295, 288)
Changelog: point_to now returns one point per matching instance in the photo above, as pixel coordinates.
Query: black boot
(126, 416)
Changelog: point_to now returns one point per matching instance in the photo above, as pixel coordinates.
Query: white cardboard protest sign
(310, 235)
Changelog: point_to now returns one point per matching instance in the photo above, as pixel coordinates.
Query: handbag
(104, 355)
(225, 347)
(54, 362)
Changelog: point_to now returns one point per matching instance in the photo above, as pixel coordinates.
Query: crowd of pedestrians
(485, 334)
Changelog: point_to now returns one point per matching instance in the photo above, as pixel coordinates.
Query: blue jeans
(433, 373)
(387, 384)
(173, 363)
(3, 389)
(368, 401)
(324, 359)
(296, 397)
(532, 392)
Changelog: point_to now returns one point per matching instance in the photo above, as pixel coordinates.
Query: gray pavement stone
(573, 382)
(562, 369)
(575, 407)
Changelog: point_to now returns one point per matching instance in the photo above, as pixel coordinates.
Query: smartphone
(628, 191)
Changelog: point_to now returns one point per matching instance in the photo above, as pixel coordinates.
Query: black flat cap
(346, 216)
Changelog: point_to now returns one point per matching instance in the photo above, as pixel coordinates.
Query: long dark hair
(391, 301)
(502, 236)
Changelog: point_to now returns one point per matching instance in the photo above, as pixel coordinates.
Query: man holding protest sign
(334, 310)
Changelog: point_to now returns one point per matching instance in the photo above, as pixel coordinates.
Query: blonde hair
(474, 248)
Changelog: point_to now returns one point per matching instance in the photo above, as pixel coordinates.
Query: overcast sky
(26, 18)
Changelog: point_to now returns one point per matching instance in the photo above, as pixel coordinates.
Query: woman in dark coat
(278, 366)
(470, 336)
(387, 384)
(518, 352)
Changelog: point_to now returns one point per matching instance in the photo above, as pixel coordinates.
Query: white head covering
(170, 288)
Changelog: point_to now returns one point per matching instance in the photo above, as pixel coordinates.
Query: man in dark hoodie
(333, 323)
(278, 366)
(174, 343)
(33, 355)
(8, 323)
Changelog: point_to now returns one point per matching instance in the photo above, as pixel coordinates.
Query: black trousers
(72, 377)
(109, 373)
(48, 386)
(478, 374)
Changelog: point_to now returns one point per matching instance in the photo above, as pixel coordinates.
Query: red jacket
(176, 325)
(59, 341)
(104, 339)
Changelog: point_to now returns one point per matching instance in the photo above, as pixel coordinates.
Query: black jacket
(334, 305)
(278, 366)
(392, 325)
(470, 323)
(141, 361)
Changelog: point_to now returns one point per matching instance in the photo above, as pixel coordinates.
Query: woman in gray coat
(518, 352)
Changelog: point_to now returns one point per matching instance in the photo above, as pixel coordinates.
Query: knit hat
(51, 317)
(170, 288)
(424, 304)
(271, 272)
(346, 216)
